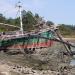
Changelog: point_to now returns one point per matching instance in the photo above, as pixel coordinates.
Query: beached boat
(42, 37)
(31, 40)
(27, 40)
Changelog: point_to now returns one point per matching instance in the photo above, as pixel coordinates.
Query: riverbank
(48, 62)
(70, 39)
(10, 68)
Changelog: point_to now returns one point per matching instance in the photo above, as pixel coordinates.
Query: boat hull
(28, 41)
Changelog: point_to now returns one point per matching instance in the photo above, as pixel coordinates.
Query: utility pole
(20, 12)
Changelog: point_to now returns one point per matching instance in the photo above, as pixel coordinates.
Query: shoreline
(69, 39)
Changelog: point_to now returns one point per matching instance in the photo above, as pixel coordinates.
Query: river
(73, 61)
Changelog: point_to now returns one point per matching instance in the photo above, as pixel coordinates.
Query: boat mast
(20, 12)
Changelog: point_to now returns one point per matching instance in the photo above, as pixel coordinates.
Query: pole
(21, 21)
(20, 10)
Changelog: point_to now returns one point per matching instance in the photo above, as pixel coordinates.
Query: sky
(58, 11)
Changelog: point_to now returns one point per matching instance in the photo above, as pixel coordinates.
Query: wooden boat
(29, 41)
(42, 37)
(26, 40)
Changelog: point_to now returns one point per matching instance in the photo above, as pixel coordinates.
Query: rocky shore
(14, 69)
(10, 68)
(47, 61)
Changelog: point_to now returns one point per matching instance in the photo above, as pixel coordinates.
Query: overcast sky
(58, 11)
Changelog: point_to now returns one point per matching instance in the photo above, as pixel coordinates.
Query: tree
(36, 15)
(49, 23)
(28, 21)
(65, 29)
(17, 21)
(24, 13)
(2, 18)
(10, 21)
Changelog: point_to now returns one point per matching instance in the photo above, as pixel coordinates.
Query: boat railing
(17, 34)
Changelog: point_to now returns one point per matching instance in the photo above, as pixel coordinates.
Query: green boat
(43, 37)
(28, 40)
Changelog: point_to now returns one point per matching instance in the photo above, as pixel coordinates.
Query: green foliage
(67, 29)
(27, 17)
(17, 21)
(2, 18)
(2, 30)
(28, 21)
(49, 23)
(36, 15)
(10, 21)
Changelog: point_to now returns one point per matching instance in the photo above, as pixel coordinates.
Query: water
(73, 61)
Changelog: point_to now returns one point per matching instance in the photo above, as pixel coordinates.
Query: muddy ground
(47, 61)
